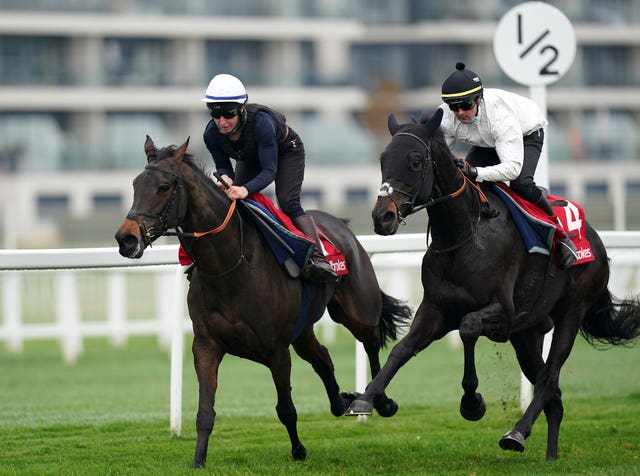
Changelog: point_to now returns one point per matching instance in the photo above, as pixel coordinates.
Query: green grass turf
(109, 414)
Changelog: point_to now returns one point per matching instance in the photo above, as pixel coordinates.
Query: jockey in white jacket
(506, 133)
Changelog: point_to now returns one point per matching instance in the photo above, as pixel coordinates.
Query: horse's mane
(190, 159)
(195, 163)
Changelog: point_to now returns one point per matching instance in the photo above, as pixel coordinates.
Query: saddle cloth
(538, 231)
(299, 242)
(300, 245)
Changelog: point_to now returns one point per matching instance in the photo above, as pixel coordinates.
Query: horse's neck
(451, 220)
(206, 208)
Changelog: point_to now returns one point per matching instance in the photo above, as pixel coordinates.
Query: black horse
(478, 278)
(240, 300)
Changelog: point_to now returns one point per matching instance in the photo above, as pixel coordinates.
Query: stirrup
(568, 253)
(318, 271)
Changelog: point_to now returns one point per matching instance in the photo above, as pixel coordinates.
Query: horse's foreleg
(472, 325)
(547, 395)
(427, 326)
(281, 373)
(207, 361)
(309, 349)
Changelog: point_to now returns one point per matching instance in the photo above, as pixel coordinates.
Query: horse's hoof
(359, 407)
(512, 440)
(197, 465)
(299, 453)
(349, 397)
(387, 409)
(473, 409)
(346, 399)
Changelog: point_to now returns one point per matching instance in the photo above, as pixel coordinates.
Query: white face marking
(385, 190)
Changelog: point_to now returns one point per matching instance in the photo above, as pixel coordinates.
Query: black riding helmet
(461, 85)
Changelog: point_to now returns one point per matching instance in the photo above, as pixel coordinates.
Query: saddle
(287, 242)
(538, 230)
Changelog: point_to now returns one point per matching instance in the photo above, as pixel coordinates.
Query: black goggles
(226, 113)
(464, 105)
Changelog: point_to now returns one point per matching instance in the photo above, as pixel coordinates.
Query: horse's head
(156, 199)
(407, 172)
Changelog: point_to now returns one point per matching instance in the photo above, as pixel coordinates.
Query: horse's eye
(415, 161)
(164, 188)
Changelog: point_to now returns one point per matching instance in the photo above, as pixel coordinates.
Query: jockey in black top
(266, 150)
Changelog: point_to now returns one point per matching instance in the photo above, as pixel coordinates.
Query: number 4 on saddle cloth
(538, 231)
(284, 239)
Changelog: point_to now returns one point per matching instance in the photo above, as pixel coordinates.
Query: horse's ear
(150, 148)
(392, 124)
(178, 155)
(424, 117)
(435, 121)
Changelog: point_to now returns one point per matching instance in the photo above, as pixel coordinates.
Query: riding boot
(317, 269)
(566, 249)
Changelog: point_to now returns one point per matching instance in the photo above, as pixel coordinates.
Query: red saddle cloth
(334, 256)
(571, 216)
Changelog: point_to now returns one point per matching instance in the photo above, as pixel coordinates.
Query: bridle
(427, 166)
(149, 234)
(387, 189)
(161, 227)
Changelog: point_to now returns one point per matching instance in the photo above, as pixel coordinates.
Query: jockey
(266, 150)
(506, 133)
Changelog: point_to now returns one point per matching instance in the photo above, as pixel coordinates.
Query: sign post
(535, 45)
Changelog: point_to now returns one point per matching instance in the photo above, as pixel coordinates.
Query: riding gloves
(467, 169)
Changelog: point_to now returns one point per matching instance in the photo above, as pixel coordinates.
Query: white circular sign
(534, 43)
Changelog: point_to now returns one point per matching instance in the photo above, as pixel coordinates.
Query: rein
(483, 198)
(148, 234)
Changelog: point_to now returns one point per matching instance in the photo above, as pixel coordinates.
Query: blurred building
(83, 81)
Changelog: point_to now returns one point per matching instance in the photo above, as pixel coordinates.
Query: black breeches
(524, 185)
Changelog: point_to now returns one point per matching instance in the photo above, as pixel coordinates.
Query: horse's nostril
(130, 241)
(388, 217)
(127, 241)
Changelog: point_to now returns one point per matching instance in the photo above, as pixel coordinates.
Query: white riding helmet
(225, 88)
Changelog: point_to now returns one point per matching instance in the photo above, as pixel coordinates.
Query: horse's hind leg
(347, 312)
(546, 390)
(309, 349)
(529, 353)
(427, 326)
(281, 374)
(206, 358)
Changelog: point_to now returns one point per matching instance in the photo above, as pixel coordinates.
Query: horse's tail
(394, 316)
(612, 321)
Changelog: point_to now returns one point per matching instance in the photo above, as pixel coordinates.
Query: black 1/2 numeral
(545, 70)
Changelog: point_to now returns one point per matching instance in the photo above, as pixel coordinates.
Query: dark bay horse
(478, 277)
(240, 301)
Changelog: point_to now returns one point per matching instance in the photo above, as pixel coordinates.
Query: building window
(135, 62)
(608, 66)
(34, 61)
(243, 59)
